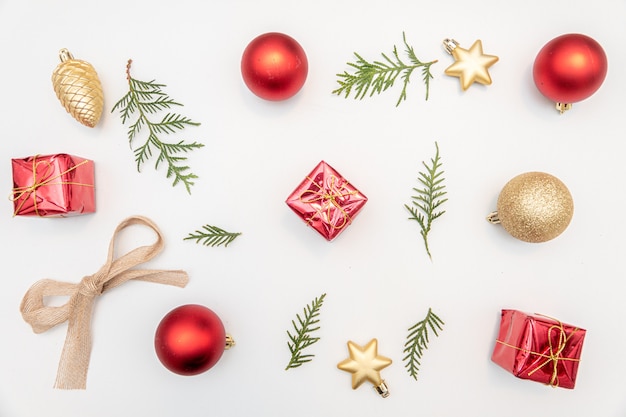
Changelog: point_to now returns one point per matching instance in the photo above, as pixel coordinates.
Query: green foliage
(302, 339)
(378, 76)
(212, 236)
(428, 199)
(417, 341)
(147, 98)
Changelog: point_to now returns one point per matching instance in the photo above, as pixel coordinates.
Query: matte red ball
(190, 339)
(274, 66)
(570, 68)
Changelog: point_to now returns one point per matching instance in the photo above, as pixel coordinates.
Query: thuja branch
(426, 203)
(417, 341)
(301, 338)
(147, 98)
(212, 236)
(378, 76)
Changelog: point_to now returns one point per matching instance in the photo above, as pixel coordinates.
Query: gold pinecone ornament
(78, 87)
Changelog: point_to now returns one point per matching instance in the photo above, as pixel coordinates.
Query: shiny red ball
(190, 339)
(570, 68)
(274, 66)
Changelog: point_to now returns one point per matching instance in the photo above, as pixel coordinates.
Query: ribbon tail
(177, 278)
(74, 362)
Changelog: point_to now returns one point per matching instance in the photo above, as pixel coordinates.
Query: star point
(364, 363)
(471, 65)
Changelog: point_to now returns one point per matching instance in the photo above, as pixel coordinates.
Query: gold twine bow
(329, 196)
(553, 354)
(45, 180)
(74, 362)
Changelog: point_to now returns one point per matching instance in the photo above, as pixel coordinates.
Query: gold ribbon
(326, 196)
(27, 191)
(553, 354)
(72, 371)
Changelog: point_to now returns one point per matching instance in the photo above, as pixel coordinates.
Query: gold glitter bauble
(77, 86)
(534, 207)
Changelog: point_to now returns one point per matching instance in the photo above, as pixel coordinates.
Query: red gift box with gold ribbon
(539, 348)
(326, 201)
(57, 185)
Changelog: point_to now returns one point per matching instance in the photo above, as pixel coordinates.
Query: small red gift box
(539, 348)
(56, 185)
(326, 201)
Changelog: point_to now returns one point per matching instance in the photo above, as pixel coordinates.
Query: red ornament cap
(190, 340)
(570, 68)
(274, 66)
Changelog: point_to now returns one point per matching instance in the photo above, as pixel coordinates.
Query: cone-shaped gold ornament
(77, 86)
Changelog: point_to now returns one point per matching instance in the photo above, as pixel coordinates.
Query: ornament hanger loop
(65, 55)
(382, 389)
(230, 342)
(493, 218)
(450, 45)
(563, 107)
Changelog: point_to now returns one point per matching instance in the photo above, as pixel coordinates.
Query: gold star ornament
(470, 65)
(365, 364)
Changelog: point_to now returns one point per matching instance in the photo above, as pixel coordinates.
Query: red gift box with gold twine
(326, 201)
(539, 348)
(57, 185)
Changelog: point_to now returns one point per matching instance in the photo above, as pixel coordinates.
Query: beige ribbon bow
(72, 371)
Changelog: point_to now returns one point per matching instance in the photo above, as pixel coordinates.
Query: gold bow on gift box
(327, 197)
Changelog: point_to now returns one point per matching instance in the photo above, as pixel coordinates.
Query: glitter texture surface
(535, 207)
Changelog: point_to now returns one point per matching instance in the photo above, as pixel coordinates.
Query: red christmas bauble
(274, 66)
(570, 68)
(190, 339)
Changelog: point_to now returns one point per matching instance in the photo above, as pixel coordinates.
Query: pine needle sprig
(212, 236)
(417, 341)
(301, 338)
(428, 200)
(147, 98)
(378, 76)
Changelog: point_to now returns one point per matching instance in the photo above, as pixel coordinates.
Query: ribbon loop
(74, 362)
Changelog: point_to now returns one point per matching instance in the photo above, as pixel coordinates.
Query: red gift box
(539, 348)
(326, 201)
(56, 185)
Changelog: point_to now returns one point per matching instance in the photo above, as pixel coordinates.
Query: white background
(377, 276)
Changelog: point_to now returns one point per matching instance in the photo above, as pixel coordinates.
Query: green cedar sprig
(147, 98)
(428, 199)
(302, 339)
(417, 341)
(381, 75)
(212, 236)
